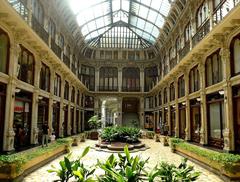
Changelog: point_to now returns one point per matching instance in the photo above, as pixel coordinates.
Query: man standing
(45, 131)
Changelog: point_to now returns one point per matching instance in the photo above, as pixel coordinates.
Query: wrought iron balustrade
(131, 89)
(66, 60)
(38, 28)
(108, 88)
(20, 8)
(183, 52)
(56, 49)
(223, 9)
(201, 33)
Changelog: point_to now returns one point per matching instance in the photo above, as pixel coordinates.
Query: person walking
(45, 132)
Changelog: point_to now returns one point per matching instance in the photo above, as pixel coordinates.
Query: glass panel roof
(109, 23)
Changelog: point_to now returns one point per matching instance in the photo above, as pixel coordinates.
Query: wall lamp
(17, 90)
(221, 92)
(198, 99)
(184, 103)
(40, 97)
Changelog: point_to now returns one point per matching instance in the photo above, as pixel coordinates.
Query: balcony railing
(21, 9)
(183, 52)
(131, 89)
(201, 33)
(66, 60)
(108, 88)
(56, 49)
(173, 63)
(38, 28)
(222, 10)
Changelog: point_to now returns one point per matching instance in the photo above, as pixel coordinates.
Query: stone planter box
(12, 172)
(230, 171)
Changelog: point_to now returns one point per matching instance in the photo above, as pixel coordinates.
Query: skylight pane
(159, 21)
(146, 2)
(152, 16)
(91, 26)
(143, 11)
(165, 7)
(141, 23)
(85, 30)
(100, 22)
(148, 27)
(125, 5)
(155, 32)
(115, 5)
(156, 4)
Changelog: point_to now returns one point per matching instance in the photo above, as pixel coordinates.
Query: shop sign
(19, 106)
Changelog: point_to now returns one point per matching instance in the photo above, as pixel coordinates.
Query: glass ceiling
(120, 23)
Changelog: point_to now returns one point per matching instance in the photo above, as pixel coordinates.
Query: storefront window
(22, 120)
(57, 85)
(66, 91)
(216, 119)
(195, 120)
(182, 120)
(4, 51)
(194, 83)
(181, 87)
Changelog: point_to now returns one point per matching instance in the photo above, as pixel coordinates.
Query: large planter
(231, 171)
(94, 135)
(14, 172)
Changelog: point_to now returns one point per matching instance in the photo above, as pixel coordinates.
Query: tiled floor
(157, 152)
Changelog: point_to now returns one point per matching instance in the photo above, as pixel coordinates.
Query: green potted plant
(94, 123)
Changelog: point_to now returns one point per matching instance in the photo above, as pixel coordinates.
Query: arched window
(4, 51)
(61, 41)
(131, 79)
(172, 91)
(181, 87)
(150, 77)
(187, 33)
(45, 78)
(213, 69)
(73, 95)
(194, 83)
(66, 90)
(235, 55)
(38, 11)
(202, 14)
(57, 85)
(108, 79)
(26, 63)
(52, 29)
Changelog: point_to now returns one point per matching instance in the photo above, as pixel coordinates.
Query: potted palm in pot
(94, 123)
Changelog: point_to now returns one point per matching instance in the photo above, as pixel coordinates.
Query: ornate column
(169, 110)
(142, 79)
(141, 112)
(61, 128)
(228, 134)
(119, 79)
(34, 128)
(203, 130)
(69, 111)
(8, 135)
(97, 75)
(187, 129)
(119, 111)
(176, 108)
(50, 111)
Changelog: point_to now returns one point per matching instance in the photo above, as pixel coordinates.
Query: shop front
(2, 112)
(72, 121)
(173, 120)
(56, 118)
(22, 120)
(43, 107)
(182, 120)
(195, 120)
(236, 118)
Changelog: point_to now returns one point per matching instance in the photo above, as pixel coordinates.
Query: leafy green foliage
(122, 169)
(121, 134)
(94, 122)
(74, 168)
(170, 173)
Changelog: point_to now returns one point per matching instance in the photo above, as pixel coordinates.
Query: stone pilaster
(169, 111)
(61, 128)
(228, 108)
(188, 125)
(142, 79)
(119, 79)
(176, 109)
(8, 135)
(97, 75)
(203, 130)
(141, 113)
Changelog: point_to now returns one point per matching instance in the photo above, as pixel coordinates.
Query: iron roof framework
(130, 24)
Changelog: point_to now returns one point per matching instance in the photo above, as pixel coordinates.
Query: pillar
(176, 109)
(228, 134)
(119, 79)
(142, 79)
(203, 130)
(97, 79)
(188, 124)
